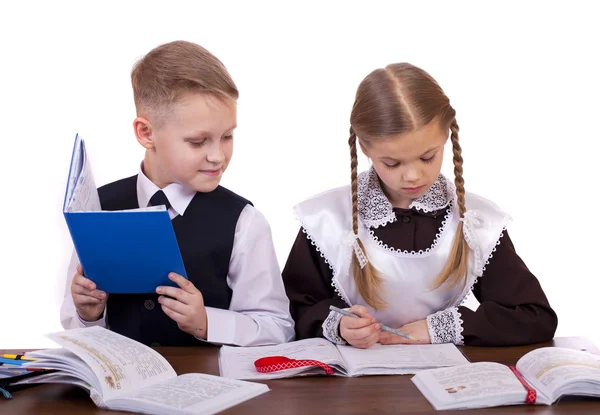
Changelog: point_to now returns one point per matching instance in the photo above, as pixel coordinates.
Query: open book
(126, 251)
(238, 362)
(122, 374)
(542, 377)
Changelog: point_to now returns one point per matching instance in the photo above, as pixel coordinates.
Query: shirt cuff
(445, 326)
(331, 328)
(220, 325)
(100, 322)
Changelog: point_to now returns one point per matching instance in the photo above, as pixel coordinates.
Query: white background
(522, 76)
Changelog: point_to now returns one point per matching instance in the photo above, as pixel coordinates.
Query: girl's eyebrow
(387, 158)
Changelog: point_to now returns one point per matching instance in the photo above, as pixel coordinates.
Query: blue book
(126, 251)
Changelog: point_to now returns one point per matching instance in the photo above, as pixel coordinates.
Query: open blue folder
(127, 251)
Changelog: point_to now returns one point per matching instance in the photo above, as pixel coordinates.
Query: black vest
(205, 237)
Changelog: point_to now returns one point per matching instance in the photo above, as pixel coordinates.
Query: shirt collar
(376, 210)
(179, 195)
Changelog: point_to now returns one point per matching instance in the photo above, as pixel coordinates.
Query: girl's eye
(428, 160)
(391, 166)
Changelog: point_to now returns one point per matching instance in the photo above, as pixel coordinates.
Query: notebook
(315, 356)
(127, 251)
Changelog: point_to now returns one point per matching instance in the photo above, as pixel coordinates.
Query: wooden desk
(311, 395)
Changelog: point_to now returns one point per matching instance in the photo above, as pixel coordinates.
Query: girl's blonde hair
(398, 99)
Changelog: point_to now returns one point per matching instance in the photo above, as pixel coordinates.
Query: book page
(190, 394)
(399, 358)
(238, 362)
(474, 385)
(551, 369)
(120, 364)
(83, 196)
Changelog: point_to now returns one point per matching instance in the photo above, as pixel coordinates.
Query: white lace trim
(445, 326)
(373, 205)
(334, 282)
(331, 328)
(441, 230)
(440, 194)
(470, 222)
(376, 210)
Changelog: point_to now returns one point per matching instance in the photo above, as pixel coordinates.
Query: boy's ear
(143, 132)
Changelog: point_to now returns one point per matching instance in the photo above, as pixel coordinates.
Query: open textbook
(238, 362)
(122, 374)
(541, 377)
(125, 251)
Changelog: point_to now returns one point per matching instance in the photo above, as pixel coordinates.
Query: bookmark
(276, 363)
(531, 393)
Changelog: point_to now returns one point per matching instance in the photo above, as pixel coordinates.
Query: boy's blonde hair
(172, 70)
(394, 100)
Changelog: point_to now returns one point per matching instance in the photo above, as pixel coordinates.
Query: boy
(186, 114)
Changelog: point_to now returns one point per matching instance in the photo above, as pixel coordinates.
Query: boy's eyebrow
(396, 160)
(201, 133)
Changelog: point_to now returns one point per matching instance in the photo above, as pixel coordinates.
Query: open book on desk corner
(123, 374)
(313, 356)
(126, 251)
(541, 377)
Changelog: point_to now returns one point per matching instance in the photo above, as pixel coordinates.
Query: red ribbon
(276, 363)
(531, 393)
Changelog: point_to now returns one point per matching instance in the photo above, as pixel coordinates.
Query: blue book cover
(127, 251)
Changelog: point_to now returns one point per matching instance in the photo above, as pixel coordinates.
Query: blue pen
(12, 362)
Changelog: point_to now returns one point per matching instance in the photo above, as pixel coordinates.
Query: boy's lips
(211, 172)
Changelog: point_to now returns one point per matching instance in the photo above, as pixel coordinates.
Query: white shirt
(259, 310)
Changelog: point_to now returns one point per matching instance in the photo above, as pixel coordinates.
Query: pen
(383, 327)
(17, 357)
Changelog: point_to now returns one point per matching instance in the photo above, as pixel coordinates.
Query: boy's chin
(206, 186)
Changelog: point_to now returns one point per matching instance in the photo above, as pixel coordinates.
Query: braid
(367, 279)
(456, 268)
(458, 169)
(354, 179)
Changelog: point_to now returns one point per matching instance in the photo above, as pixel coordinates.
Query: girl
(403, 245)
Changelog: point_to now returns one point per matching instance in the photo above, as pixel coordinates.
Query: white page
(192, 393)
(400, 358)
(548, 369)
(84, 196)
(471, 386)
(121, 364)
(75, 169)
(66, 361)
(238, 362)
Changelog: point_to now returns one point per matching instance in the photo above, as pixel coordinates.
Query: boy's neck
(151, 172)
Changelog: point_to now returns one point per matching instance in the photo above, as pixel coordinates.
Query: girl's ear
(364, 149)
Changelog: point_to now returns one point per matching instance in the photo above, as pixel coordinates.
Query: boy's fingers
(173, 315)
(185, 284)
(174, 305)
(79, 269)
(84, 282)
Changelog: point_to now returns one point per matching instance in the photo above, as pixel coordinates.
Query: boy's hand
(360, 332)
(185, 307)
(89, 302)
(417, 329)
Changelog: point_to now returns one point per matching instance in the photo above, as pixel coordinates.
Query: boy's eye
(228, 137)
(197, 143)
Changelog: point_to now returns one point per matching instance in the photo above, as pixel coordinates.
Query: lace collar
(376, 210)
